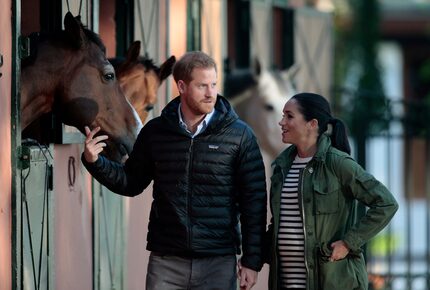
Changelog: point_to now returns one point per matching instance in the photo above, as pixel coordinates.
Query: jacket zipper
(277, 232)
(190, 168)
(303, 218)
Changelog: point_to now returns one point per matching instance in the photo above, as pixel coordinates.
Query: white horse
(258, 96)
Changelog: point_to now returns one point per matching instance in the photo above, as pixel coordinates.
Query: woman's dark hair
(314, 106)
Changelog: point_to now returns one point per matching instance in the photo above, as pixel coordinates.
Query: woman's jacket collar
(290, 153)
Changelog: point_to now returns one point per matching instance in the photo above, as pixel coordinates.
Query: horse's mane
(94, 37)
(147, 62)
(237, 81)
(60, 37)
(91, 35)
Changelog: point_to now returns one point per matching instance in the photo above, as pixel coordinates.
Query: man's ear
(181, 86)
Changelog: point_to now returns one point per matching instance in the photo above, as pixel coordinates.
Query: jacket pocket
(326, 199)
(340, 275)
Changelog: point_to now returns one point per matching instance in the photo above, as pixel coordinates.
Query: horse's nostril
(149, 108)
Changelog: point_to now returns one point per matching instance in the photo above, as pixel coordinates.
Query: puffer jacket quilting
(200, 185)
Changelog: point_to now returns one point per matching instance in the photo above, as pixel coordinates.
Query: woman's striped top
(291, 236)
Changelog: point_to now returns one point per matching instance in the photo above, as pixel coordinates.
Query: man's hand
(340, 250)
(93, 146)
(247, 277)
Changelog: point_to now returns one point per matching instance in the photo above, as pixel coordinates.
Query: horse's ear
(257, 67)
(133, 52)
(73, 28)
(167, 67)
(291, 72)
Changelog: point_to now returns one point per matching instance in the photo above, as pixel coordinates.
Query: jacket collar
(288, 155)
(224, 113)
(324, 144)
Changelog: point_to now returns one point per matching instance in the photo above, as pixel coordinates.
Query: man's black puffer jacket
(201, 185)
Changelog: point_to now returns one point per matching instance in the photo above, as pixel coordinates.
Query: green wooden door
(37, 216)
(109, 239)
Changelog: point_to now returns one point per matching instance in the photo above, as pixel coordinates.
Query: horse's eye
(109, 76)
(269, 107)
(149, 108)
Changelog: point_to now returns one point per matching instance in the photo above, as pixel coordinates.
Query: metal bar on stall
(16, 203)
(427, 215)
(390, 227)
(408, 197)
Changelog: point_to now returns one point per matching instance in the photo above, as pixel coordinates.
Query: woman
(314, 236)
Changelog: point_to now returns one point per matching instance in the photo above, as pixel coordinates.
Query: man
(208, 174)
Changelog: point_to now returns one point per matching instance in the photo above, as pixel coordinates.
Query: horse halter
(28, 48)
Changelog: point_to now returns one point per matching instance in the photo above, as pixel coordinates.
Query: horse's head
(92, 95)
(140, 79)
(258, 97)
(72, 71)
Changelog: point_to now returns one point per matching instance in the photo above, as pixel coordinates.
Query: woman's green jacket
(329, 188)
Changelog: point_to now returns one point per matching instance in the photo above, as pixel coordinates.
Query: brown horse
(140, 78)
(70, 74)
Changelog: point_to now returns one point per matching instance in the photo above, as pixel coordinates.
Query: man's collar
(203, 124)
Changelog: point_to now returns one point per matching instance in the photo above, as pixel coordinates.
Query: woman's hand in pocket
(340, 250)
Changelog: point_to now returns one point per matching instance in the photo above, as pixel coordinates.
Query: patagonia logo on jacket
(213, 147)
